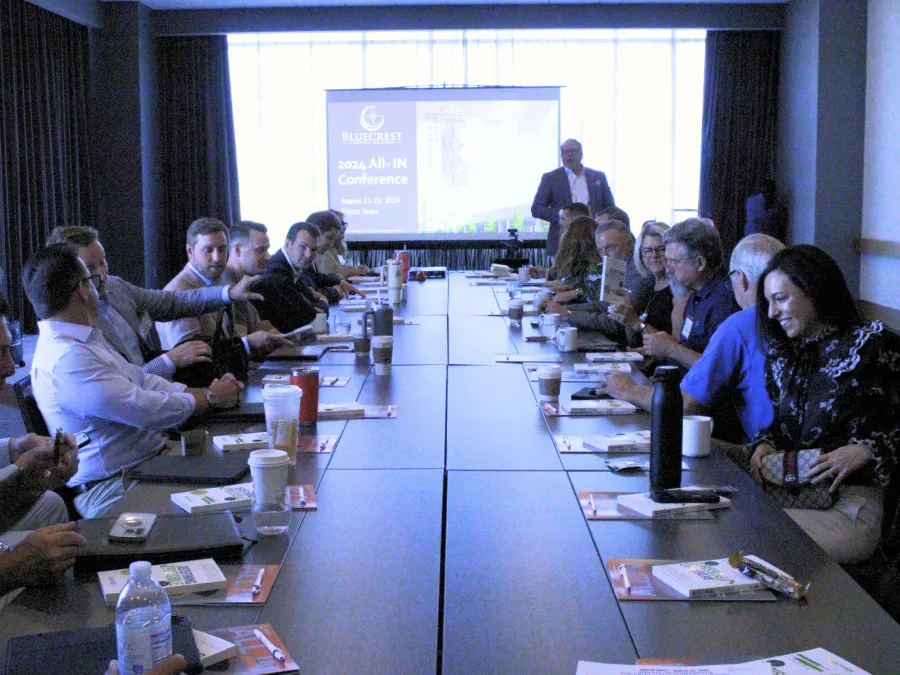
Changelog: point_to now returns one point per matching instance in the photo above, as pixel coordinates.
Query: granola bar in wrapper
(772, 577)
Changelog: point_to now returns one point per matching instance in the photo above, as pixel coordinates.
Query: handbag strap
(791, 470)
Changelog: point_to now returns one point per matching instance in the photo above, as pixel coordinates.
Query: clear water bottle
(143, 622)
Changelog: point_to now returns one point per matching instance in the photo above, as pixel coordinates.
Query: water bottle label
(142, 648)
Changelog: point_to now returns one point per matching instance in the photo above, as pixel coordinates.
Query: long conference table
(451, 540)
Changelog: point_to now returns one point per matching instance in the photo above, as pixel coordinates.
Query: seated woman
(834, 381)
(650, 261)
(329, 257)
(577, 252)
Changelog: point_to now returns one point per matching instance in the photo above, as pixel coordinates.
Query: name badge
(686, 328)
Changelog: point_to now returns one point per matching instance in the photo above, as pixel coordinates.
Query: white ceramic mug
(550, 320)
(567, 339)
(696, 431)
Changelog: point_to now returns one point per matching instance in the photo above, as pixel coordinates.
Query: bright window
(634, 98)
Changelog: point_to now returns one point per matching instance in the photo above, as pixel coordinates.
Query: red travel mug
(307, 379)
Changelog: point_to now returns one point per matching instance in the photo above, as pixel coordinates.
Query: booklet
(811, 662)
(641, 502)
(603, 368)
(626, 441)
(254, 657)
(610, 357)
(238, 589)
(612, 282)
(213, 649)
(191, 576)
(341, 411)
(246, 441)
(592, 668)
(608, 406)
(644, 586)
(705, 577)
(209, 500)
(603, 506)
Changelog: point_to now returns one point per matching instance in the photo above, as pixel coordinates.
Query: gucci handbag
(786, 480)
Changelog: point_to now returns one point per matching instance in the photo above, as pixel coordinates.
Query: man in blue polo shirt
(732, 368)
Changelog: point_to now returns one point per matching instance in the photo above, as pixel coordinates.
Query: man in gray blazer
(572, 182)
(127, 312)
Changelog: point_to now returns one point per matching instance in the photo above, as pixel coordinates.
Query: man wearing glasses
(572, 182)
(127, 312)
(694, 261)
(81, 384)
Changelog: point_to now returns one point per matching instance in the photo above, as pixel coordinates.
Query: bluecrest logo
(370, 119)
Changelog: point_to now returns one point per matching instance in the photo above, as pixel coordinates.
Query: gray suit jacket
(140, 307)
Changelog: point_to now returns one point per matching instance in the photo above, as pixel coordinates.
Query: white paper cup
(382, 353)
(269, 471)
(516, 309)
(567, 339)
(696, 432)
(524, 274)
(549, 382)
(281, 403)
(320, 324)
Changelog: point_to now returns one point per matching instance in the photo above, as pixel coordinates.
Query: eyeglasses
(675, 262)
(648, 251)
(95, 280)
(732, 273)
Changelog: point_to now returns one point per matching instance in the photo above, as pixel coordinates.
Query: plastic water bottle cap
(140, 568)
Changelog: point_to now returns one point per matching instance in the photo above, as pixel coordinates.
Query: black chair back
(28, 408)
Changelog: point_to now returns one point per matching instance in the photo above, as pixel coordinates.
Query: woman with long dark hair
(834, 381)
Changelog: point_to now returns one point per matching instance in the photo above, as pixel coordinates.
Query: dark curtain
(199, 159)
(44, 154)
(740, 116)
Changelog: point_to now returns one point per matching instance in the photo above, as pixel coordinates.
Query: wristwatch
(212, 399)
(4, 547)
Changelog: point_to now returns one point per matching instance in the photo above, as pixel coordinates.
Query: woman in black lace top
(834, 381)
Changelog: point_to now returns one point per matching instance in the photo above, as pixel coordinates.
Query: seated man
(613, 213)
(292, 289)
(731, 370)
(694, 263)
(127, 312)
(27, 470)
(248, 255)
(81, 384)
(330, 257)
(207, 251)
(613, 239)
(319, 277)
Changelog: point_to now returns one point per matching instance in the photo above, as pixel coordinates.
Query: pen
(624, 572)
(257, 585)
(277, 653)
(323, 444)
(566, 441)
(593, 504)
(333, 381)
(302, 494)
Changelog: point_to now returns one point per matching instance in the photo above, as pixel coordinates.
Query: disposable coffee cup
(269, 472)
(696, 431)
(382, 353)
(281, 403)
(320, 324)
(516, 310)
(549, 381)
(361, 345)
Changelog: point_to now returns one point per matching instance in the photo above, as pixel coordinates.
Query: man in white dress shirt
(82, 384)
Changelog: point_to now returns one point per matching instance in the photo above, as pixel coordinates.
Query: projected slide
(440, 160)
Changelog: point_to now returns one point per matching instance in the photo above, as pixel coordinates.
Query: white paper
(590, 668)
(810, 662)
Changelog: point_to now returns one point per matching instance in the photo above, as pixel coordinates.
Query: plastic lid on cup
(549, 371)
(516, 302)
(267, 457)
(382, 339)
(273, 392)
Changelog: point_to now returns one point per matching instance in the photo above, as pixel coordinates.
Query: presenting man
(731, 371)
(127, 312)
(81, 384)
(572, 182)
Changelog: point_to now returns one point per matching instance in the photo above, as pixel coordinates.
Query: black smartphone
(685, 497)
(183, 643)
(589, 394)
